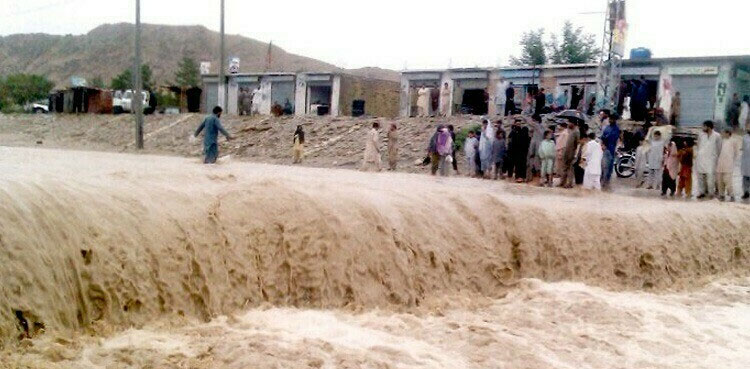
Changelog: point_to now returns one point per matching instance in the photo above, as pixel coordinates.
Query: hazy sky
(411, 34)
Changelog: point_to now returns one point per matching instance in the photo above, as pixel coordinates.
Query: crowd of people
(576, 156)
(570, 152)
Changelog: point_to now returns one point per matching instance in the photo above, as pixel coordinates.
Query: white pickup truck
(122, 101)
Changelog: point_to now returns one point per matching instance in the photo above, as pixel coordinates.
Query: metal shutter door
(281, 92)
(697, 93)
(212, 96)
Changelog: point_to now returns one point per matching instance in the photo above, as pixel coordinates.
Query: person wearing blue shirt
(211, 127)
(610, 136)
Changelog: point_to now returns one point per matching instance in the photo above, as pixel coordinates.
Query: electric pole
(137, 101)
(222, 82)
(610, 64)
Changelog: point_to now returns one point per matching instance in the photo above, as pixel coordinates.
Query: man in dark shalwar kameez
(212, 126)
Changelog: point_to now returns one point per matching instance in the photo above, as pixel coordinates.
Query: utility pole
(222, 56)
(610, 64)
(138, 97)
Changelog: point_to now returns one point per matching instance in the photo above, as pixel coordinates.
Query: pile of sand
(93, 239)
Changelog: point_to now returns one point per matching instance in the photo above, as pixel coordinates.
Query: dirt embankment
(331, 142)
(92, 239)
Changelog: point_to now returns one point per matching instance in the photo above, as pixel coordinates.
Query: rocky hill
(107, 50)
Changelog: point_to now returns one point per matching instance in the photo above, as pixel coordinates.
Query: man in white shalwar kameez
(655, 159)
(257, 98)
(372, 150)
(445, 100)
(470, 150)
(593, 154)
(709, 148)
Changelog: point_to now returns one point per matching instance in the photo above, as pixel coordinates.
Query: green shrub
(167, 100)
(463, 133)
(20, 89)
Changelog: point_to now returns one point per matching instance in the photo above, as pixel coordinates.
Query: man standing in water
(212, 126)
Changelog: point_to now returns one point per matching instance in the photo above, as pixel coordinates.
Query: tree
(97, 82)
(574, 47)
(146, 77)
(188, 73)
(534, 52)
(21, 89)
(187, 76)
(124, 81)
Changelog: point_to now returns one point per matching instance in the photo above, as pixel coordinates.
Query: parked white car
(122, 101)
(37, 108)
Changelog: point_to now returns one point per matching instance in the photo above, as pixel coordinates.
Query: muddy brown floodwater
(131, 261)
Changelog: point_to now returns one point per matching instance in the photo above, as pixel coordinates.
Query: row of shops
(707, 86)
(300, 94)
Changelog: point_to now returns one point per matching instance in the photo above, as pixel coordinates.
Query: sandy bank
(123, 239)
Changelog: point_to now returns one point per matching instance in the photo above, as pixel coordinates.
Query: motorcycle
(625, 163)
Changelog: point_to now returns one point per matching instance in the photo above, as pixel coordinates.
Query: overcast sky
(411, 34)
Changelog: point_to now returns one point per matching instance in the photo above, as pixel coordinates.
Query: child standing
(725, 166)
(498, 152)
(592, 156)
(686, 170)
(547, 153)
(470, 150)
(671, 169)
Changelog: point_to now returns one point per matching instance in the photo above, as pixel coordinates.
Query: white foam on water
(538, 325)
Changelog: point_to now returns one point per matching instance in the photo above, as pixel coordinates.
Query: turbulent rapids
(90, 238)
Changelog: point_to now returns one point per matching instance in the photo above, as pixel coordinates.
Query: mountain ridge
(108, 49)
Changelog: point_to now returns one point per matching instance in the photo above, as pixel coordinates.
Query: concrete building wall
(404, 98)
(265, 93)
(300, 96)
(221, 94)
(724, 96)
(336, 96)
(232, 97)
(496, 94)
(445, 78)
